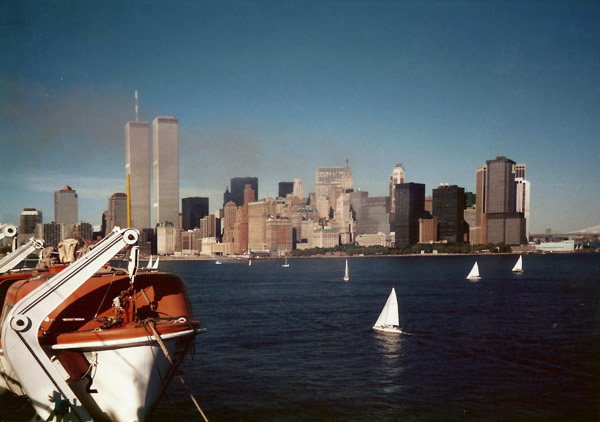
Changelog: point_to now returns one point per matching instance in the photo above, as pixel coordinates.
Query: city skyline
(277, 90)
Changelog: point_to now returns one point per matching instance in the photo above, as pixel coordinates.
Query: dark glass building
(410, 206)
(449, 203)
(285, 188)
(193, 210)
(503, 223)
(237, 188)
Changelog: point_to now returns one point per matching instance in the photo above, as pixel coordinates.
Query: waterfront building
(325, 237)
(523, 191)
(238, 185)
(375, 239)
(116, 215)
(193, 209)
(396, 178)
(166, 237)
(229, 217)
(330, 182)
(285, 189)
(477, 233)
(278, 235)
(80, 231)
(409, 207)
(428, 230)
(137, 166)
(52, 233)
(208, 226)
(258, 212)
(449, 204)
(65, 206)
(297, 192)
(503, 223)
(165, 151)
(373, 216)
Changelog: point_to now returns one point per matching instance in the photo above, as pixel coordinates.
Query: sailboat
(285, 265)
(388, 321)
(82, 336)
(347, 272)
(474, 274)
(518, 268)
(149, 266)
(249, 262)
(155, 266)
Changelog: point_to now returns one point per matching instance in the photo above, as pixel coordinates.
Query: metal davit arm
(41, 377)
(14, 258)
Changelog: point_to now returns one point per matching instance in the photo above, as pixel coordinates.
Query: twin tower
(165, 171)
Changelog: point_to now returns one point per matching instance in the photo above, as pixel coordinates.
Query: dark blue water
(296, 344)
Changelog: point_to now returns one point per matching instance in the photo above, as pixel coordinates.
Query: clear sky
(274, 89)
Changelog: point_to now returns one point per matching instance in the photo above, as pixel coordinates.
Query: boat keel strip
(42, 377)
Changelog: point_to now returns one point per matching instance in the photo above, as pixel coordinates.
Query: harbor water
(296, 344)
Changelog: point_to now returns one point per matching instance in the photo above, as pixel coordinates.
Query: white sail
(347, 272)
(286, 263)
(388, 318)
(155, 266)
(474, 274)
(519, 265)
(149, 263)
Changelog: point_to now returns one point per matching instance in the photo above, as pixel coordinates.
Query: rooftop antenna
(136, 106)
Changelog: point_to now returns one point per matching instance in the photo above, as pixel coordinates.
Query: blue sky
(274, 89)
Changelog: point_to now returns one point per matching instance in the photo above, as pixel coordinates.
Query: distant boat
(518, 268)
(474, 274)
(155, 266)
(249, 262)
(286, 265)
(149, 266)
(388, 321)
(218, 262)
(347, 272)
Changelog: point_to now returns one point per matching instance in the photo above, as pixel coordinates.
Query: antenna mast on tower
(136, 106)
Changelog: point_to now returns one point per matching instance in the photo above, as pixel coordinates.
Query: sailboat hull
(388, 329)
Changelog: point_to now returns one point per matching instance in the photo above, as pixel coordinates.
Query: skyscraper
(523, 195)
(117, 212)
(65, 206)
(410, 207)
(448, 206)
(30, 217)
(193, 210)
(477, 233)
(285, 188)
(503, 223)
(237, 188)
(137, 165)
(396, 178)
(165, 149)
(297, 193)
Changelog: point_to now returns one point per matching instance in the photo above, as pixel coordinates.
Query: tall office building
(65, 206)
(503, 223)
(396, 178)
(285, 188)
(374, 216)
(477, 233)
(193, 210)
(336, 177)
(165, 151)
(297, 193)
(410, 207)
(237, 188)
(523, 199)
(28, 220)
(117, 212)
(137, 165)
(449, 202)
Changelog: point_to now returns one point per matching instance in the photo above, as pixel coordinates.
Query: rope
(166, 352)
